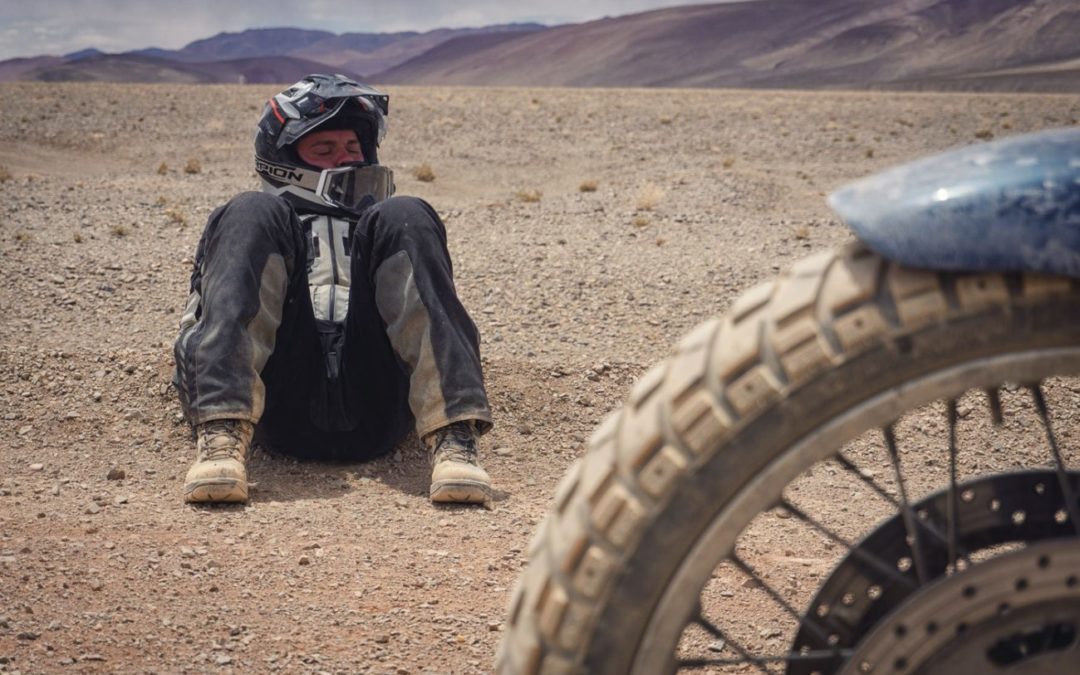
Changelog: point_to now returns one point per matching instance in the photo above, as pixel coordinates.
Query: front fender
(1008, 205)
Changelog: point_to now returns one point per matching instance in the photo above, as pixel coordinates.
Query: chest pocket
(328, 266)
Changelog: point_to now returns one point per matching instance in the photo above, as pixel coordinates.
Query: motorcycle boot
(219, 474)
(456, 475)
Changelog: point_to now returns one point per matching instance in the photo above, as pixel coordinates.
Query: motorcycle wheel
(790, 490)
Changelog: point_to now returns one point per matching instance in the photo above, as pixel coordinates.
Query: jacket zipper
(332, 245)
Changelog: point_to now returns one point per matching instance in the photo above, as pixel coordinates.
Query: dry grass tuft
(176, 216)
(22, 236)
(729, 162)
(424, 173)
(802, 232)
(649, 197)
(5, 174)
(78, 238)
(528, 196)
(640, 221)
(192, 166)
(163, 169)
(588, 186)
(984, 134)
(119, 230)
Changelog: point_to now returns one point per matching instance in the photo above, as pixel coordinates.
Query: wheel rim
(675, 612)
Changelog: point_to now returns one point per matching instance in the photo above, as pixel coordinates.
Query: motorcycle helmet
(323, 102)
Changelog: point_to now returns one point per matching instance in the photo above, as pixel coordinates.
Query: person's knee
(404, 216)
(258, 210)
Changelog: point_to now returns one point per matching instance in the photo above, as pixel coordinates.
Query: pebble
(502, 452)
(93, 509)
(304, 560)
(37, 467)
(116, 473)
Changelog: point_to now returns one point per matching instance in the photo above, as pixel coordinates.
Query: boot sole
(460, 492)
(219, 490)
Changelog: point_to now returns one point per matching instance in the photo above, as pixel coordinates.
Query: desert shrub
(424, 173)
(192, 166)
(163, 169)
(529, 196)
(649, 197)
(588, 186)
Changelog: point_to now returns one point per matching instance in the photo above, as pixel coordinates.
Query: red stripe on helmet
(277, 113)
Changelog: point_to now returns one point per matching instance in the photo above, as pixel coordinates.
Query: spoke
(809, 621)
(906, 511)
(873, 561)
(1059, 465)
(716, 632)
(954, 497)
(878, 489)
(851, 468)
(993, 396)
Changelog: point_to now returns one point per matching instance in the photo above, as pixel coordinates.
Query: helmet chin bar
(347, 187)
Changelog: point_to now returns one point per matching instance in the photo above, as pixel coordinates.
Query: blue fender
(1008, 205)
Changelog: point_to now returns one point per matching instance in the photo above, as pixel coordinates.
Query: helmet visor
(349, 187)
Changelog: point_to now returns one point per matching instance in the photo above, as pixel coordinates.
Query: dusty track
(348, 568)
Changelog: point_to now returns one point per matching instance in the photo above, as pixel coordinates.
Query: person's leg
(249, 268)
(404, 311)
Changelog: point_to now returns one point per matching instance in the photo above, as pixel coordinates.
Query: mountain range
(1005, 45)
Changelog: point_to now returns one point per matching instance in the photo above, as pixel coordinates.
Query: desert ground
(590, 228)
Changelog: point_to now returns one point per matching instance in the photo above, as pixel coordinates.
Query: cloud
(38, 27)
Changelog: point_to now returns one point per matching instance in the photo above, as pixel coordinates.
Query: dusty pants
(250, 347)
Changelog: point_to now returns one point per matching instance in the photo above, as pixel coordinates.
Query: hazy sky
(37, 27)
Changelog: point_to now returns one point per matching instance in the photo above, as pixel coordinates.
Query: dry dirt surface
(589, 229)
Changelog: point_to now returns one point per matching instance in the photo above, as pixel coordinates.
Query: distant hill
(135, 68)
(18, 69)
(283, 55)
(991, 45)
(375, 52)
(779, 43)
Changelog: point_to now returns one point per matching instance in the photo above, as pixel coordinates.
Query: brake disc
(892, 606)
